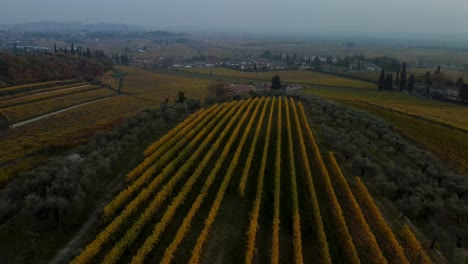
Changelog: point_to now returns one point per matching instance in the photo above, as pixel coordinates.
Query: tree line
(17, 69)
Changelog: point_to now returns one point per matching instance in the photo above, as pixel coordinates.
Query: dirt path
(56, 112)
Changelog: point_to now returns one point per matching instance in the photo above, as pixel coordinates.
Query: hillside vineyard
(246, 182)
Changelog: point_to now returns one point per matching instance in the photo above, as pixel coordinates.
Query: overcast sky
(295, 16)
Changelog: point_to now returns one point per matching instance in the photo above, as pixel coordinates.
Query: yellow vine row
(186, 223)
(277, 192)
(413, 249)
(363, 237)
(296, 217)
(187, 122)
(202, 238)
(134, 231)
(253, 224)
(387, 240)
(167, 161)
(94, 247)
(248, 163)
(345, 240)
(171, 144)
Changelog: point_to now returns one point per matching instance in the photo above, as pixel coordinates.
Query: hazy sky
(295, 16)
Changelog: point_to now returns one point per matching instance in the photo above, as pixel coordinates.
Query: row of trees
(387, 83)
(17, 69)
(438, 78)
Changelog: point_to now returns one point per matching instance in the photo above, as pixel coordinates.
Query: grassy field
(158, 86)
(255, 156)
(295, 76)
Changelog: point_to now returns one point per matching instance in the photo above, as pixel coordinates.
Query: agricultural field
(38, 105)
(433, 110)
(157, 86)
(31, 144)
(245, 182)
(290, 76)
(450, 145)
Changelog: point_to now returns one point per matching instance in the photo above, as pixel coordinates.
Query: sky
(253, 16)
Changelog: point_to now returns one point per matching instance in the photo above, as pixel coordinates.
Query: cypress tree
(397, 79)
(403, 78)
(72, 49)
(389, 82)
(411, 83)
(381, 82)
(55, 48)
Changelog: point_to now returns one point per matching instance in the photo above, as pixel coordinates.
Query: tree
(397, 79)
(55, 48)
(463, 94)
(181, 97)
(459, 82)
(403, 78)
(411, 83)
(276, 82)
(88, 53)
(389, 82)
(72, 49)
(381, 82)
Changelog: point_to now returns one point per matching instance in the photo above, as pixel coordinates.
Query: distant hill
(45, 26)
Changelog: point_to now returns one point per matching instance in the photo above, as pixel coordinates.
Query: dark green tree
(381, 82)
(397, 79)
(403, 77)
(72, 51)
(411, 83)
(276, 82)
(88, 53)
(463, 94)
(181, 97)
(389, 82)
(460, 82)
(55, 48)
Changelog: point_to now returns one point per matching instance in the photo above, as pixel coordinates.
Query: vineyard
(245, 182)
